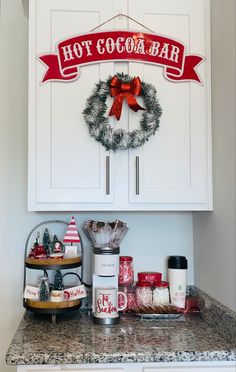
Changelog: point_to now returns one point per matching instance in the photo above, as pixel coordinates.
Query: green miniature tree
(58, 281)
(43, 292)
(55, 238)
(36, 243)
(51, 245)
(46, 241)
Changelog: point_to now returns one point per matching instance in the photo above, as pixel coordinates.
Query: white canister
(57, 296)
(106, 264)
(177, 277)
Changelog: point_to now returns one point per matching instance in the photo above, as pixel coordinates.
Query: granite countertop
(76, 339)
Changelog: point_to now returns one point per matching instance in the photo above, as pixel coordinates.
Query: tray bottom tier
(51, 307)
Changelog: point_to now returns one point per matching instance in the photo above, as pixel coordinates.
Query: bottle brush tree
(46, 241)
(58, 281)
(43, 292)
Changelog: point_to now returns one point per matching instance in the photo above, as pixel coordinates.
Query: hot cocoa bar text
(118, 46)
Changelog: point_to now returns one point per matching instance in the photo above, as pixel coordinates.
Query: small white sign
(31, 293)
(71, 251)
(74, 293)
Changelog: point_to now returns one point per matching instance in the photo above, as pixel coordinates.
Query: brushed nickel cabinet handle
(107, 175)
(137, 174)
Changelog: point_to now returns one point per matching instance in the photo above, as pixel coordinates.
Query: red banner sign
(120, 46)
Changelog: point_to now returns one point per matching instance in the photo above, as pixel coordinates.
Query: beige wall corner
(214, 232)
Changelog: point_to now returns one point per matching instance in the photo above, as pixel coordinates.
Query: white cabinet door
(191, 369)
(102, 369)
(174, 170)
(135, 367)
(78, 369)
(67, 168)
(65, 368)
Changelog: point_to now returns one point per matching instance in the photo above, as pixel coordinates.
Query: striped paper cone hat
(71, 235)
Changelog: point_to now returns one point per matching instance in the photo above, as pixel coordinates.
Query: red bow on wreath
(121, 91)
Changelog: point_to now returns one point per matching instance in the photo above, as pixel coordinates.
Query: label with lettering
(75, 293)
(106, 303)
(31, 293)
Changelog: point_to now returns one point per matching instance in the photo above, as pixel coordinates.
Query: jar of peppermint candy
(143, 293)
(126, 271)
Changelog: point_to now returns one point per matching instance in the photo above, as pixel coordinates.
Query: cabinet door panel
(191, 369)
(66, 165)
(103, 369)
(174, 166)
(73, 369)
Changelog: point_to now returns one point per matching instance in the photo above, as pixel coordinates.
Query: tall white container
(177, 277)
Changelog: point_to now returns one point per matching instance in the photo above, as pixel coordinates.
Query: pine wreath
(119, 139)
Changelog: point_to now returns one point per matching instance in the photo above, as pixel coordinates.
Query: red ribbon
(121, 91)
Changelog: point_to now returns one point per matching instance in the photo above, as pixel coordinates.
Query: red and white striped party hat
(71, 235)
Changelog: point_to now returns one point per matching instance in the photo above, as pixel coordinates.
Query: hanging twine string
(122, 15)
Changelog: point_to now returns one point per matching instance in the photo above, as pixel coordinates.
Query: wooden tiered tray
(46, 264)
(51, 263)
(51, 307)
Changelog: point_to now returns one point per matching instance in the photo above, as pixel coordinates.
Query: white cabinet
(68, 369)
(192, 369)
(174, 167)
(68, 169)
(66, 166)
(135, 367)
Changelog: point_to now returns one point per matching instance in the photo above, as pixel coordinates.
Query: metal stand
(54, 319)
(45, 267)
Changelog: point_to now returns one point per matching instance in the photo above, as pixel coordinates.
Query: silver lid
(106, 250)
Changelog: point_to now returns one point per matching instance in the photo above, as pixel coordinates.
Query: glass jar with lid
(143, 293)
(161, 293)
(126, 271)
(149, 276)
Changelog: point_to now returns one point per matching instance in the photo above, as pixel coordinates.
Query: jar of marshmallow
(161, 293)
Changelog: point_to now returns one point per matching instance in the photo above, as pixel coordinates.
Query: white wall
(214, 233)
(151, 238)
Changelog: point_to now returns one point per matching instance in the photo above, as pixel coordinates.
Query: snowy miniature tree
(46, 241)
(36, 243)
(58, 281)
(43, 292)
(55, 238)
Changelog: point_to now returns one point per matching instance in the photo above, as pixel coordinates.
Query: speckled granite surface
(216, 315)
(76, 339)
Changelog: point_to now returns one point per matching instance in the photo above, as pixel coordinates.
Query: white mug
(57, 296)
(106, 302)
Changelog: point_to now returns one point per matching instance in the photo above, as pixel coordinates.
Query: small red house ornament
(38, 251)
